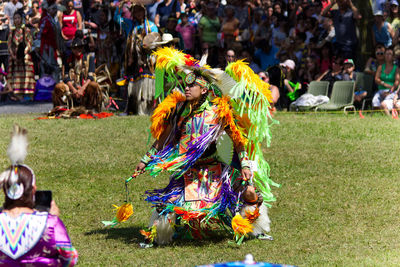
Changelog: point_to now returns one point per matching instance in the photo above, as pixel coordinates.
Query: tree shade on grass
(338, 204)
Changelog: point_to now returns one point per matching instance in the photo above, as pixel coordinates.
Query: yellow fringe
(225, 112)
(242, 71)
(162, 112)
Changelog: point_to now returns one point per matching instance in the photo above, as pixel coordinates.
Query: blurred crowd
(288, 42)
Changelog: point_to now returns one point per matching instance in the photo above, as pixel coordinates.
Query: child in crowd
(187, 32)
(3, 88)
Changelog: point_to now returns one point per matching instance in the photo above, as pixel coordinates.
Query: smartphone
(43, 200)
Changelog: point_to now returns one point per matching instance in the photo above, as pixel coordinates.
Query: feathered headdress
(17, 151)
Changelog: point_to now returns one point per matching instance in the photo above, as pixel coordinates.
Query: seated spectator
(79, 87)
(187, 31)
(349, 74)
(230, 56)
(280, 75)
(325, 59)
(42, 236)
(333, 75)
(247, 55)
(274, 90)
(392, 101)
(382, 31)
(309, 72)
(387, 78)
(376, 60)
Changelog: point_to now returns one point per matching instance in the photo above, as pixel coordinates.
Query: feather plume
(17, 150)
(162, 112)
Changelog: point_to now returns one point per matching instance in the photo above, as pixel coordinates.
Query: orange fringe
(225, 112)
(162, 112)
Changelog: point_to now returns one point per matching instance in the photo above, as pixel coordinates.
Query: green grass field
(338, 204)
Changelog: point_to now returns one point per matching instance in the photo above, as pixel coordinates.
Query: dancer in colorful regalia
(208, 132)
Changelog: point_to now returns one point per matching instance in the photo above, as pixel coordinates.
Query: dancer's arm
(157, 146)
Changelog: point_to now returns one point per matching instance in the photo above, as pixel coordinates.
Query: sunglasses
(379, 53)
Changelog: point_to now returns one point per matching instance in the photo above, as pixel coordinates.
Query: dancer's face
(193, 92)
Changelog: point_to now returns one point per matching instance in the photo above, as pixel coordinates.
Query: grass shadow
(131, 235)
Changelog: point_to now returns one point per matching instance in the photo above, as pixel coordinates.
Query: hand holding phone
(43, 200)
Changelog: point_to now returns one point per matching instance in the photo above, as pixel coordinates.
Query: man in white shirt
(9, 10)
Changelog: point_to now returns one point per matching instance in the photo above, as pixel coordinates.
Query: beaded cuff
(244, 160)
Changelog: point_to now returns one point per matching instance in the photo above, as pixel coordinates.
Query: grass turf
(338, 204)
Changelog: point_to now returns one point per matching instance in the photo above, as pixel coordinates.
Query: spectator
(21, 76)
(187, 32)
(328, 34)
(171, 29)
(334, 74)
(10, 8)
(70, 21)
(382, 31)
(309, 72)
(166, 9)
(208, 27)
(375, 61)
(280, 75)
(387, 78)
(345, 28)
(4, 31)
(230, 27)
(247, 55)
(79, 82)
(393, 18)
(325, 59)
(42, 236)
(274, 90)
(392, 101)
(266, 54)
(50, 42)
(4, 90)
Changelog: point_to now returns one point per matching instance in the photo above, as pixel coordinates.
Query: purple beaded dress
(36, 239)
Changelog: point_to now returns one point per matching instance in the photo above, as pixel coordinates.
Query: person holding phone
(42, 236)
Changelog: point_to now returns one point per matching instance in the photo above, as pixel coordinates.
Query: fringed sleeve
(226, 113)
(67, 253)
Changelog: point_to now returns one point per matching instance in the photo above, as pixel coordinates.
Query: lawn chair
(365, 82)
(342, 97)
(315, 88)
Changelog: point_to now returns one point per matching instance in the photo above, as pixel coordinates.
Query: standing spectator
(10, 8)
(230, 27)
(187, 32)
(70, 21)
(382, 31)
(328, 33)
(171, 29)
(393, 18)
(209, 27)
(166, 9)
(4, 31)
(50, 42)
(152, 9)
(266, 54)
(345, 28)
(387, 78)
(376, 60)
(21, 76)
